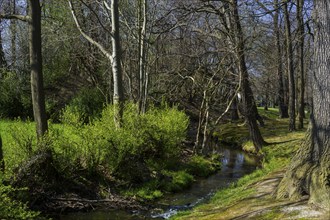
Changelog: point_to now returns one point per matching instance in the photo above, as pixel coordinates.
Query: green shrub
(149, 194)
(15, 97)
(19, 142)
(72, 116)
(12, 209)
(203, 167)
(147, 191)
(143, 144)
(88, 103)
(179, 180)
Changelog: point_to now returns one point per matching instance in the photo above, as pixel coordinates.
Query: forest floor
(253, 196)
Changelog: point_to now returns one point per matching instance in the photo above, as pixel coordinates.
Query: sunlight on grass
(281, 148)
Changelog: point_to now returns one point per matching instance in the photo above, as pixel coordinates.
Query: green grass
(283, 145)
(237, 134)
(178, 180)
(271, 113)
(203, 167)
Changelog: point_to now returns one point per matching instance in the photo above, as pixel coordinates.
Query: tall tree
(114, 56)
(250, 109)
(301, 38)
(13, 32)
(37, 90)
(118, 93)
(283, 108)
(309, 170)
(38, 97)
(290, 68)
(142, 20)
(3, 62)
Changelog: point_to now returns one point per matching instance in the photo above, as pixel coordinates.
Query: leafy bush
(88, 103)
(150, 194)
(144, 142)
(14, 101)
(148, 191)
(12, 209)
(144, 145)
(19, 142)
(179, 180)
(200, 166)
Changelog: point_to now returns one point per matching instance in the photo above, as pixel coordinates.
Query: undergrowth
(11, 208)
(143, 157)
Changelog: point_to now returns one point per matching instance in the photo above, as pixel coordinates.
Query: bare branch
(230, 102)
(268, 11)
(86, 36)
(97, 16)
(24, 18)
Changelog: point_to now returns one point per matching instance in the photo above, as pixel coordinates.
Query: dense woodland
(131, 94)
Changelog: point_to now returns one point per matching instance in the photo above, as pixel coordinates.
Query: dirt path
(262, 205)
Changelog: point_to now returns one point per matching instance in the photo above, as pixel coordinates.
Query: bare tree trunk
(200, 122)
(118, 94)
(283, 108)
(13, 30)
(267, 94)
(206, 126)
(146, 88)
(234, 110)
(250, 109)
(142, 53)
(227, 22)
(37, 90)
(309, 170)
(301, 38)
(3, 63)
(289, 53)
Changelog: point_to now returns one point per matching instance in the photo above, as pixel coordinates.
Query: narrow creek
(235, 164)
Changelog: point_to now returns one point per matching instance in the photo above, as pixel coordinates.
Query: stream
(235, 164)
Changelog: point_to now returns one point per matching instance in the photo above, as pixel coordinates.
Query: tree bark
(227, 23)
(142, 54)
(199, 127)
(3, 63)
(289, 53)
(309, 171)
(13, 30)
(250, 109)
(118, 94)
(283, 109)
(301, 38)
(234, 110)
(37, 90)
